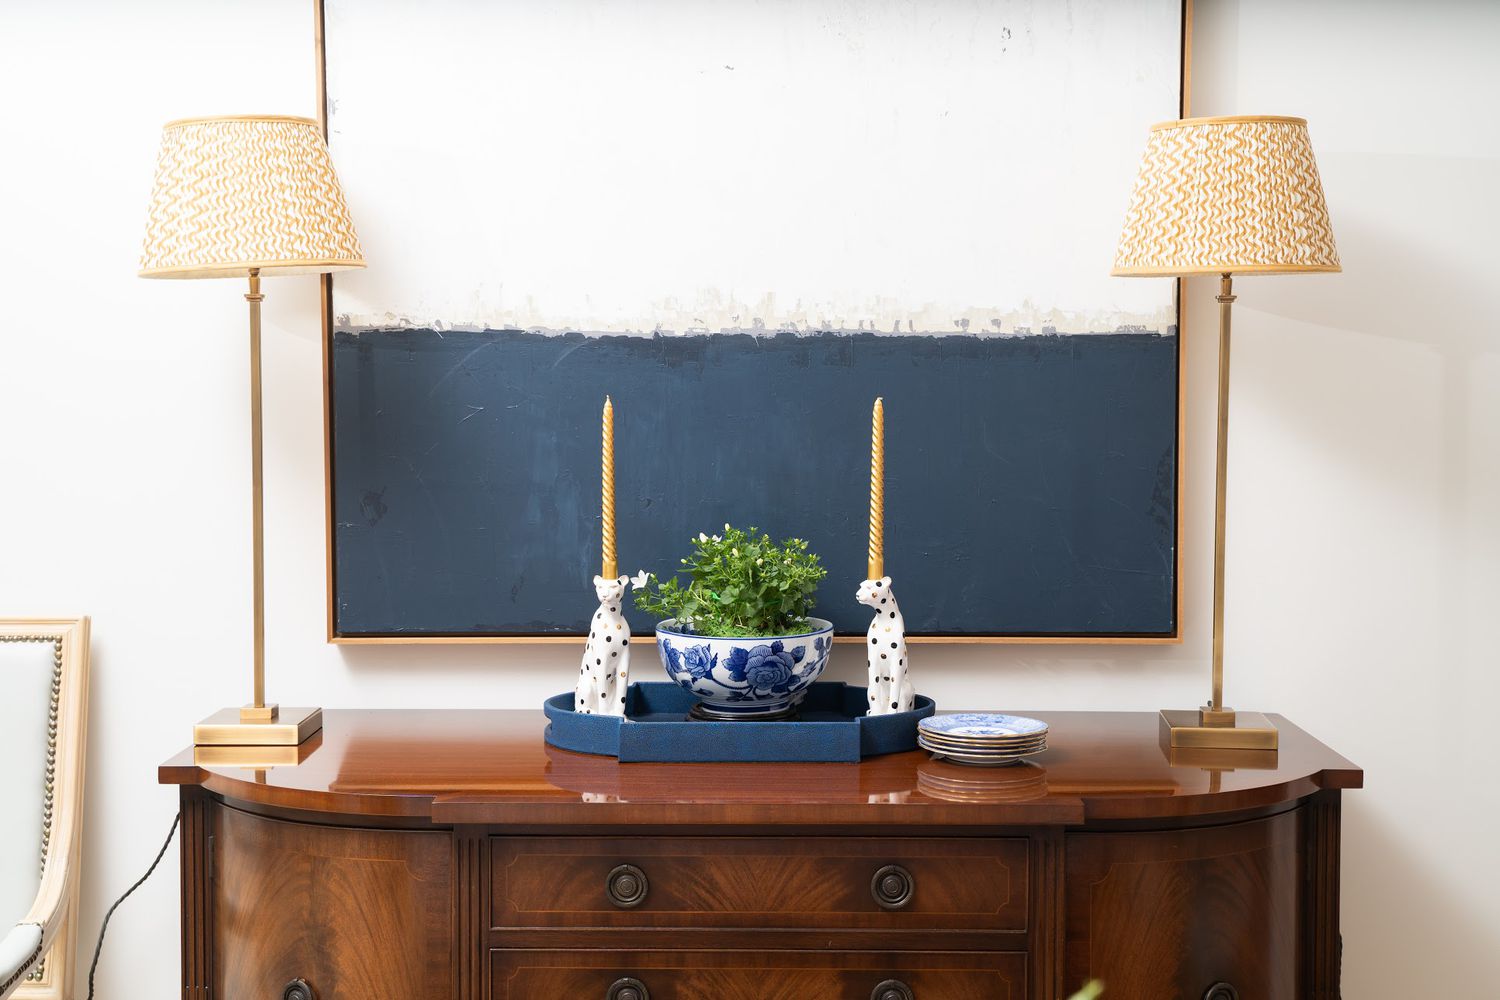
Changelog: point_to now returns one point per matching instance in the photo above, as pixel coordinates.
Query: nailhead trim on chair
(39, 972)
(35, 972)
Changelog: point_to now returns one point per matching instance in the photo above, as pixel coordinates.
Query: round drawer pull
(628, 989)
(892, 888)
(893, 989)
(298, 989)
(627, 887)
(1221, 991)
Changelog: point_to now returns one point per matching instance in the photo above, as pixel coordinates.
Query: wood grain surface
(492, 767)
(756, 975)
(1167, 914)
(426, 854)
(356, 913)
(761, 882)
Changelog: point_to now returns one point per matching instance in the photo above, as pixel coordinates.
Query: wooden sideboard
(419, 855)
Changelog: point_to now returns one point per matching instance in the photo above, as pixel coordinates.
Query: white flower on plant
(759, 562)
(703, 538)
(639, 580)
(734, 552)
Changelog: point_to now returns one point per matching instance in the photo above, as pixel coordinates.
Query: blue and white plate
(983, 726)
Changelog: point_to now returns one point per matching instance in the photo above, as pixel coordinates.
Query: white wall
(1366, 460)
(1365, 557)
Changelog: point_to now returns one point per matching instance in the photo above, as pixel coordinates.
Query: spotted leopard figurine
(604, 675)
(885, 650)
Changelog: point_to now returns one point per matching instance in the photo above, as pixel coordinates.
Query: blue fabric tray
(833, 728)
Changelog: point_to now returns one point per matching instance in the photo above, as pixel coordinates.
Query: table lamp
(1220, 196)
(246, 196)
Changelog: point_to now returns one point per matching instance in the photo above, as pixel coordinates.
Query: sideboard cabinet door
(353, 913)
(1172, 914)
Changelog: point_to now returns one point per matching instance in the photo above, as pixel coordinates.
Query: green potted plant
(737, 635)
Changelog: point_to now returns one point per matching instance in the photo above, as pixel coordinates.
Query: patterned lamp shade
(246, 191)
(1223, 195)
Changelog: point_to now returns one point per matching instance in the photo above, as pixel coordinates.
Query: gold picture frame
(1174, 637)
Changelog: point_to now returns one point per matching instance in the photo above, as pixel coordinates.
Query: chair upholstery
(43, 717)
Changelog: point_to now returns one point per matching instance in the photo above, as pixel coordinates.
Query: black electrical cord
(141, 881)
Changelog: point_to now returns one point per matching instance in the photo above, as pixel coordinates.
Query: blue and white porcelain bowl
(758, 678)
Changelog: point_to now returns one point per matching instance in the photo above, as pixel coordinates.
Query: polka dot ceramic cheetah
(604, 675)
(885, 650)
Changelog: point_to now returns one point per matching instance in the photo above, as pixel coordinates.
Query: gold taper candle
(611, 567)
(877, 492)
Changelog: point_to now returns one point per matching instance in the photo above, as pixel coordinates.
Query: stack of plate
(983, 739)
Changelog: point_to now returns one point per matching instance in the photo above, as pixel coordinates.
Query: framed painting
(744, 221)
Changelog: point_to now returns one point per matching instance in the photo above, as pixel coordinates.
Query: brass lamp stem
(257, 710)
(1215, 727)
(261, 734)
(1216, 713)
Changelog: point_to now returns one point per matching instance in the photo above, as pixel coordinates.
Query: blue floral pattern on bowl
(755, 676)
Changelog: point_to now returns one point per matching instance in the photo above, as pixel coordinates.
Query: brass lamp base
(264, 726)
(1223, 729)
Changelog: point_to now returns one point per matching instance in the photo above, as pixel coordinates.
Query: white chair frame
(45, 971)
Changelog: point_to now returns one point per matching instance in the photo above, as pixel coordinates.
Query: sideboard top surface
(492, 767)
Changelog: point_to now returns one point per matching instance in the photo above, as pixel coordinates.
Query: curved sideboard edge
(489, 767)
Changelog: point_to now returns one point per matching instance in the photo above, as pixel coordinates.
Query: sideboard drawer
(787, 882)
(756, 975)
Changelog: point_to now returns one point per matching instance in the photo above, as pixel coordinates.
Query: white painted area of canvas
(895, 165)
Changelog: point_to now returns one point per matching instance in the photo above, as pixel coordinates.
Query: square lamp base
(281, 727)
(1241, 731)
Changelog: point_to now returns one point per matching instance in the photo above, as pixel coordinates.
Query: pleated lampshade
(244, 192)
(1227, 195)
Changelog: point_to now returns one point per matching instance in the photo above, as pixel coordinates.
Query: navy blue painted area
(1030, 481)
(831, 726)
